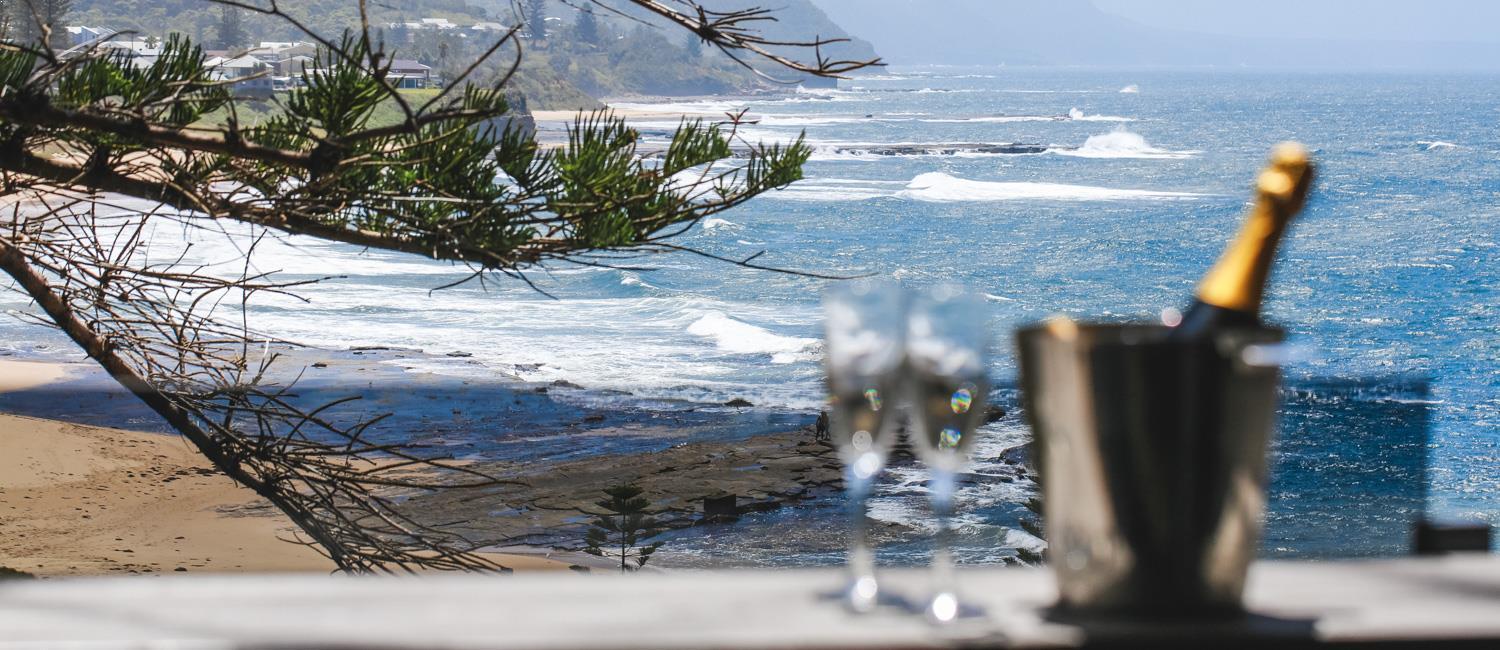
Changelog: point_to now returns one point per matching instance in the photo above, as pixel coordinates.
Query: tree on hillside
(586, 26)
(535, 18)
(231, 29)
(31, 21)
(96, 153)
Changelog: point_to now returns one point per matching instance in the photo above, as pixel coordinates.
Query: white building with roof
(83, 34)
(409, 73)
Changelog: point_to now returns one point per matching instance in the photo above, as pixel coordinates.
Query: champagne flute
(947, 387)
(865, 330)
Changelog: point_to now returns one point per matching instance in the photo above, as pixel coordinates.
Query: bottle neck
(1237, 282)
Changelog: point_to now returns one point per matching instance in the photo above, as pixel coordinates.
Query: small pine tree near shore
(625, 525)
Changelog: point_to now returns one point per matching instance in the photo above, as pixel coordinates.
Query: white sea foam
(842, 152)
(738, 337)
(1021, 539)
(1132, 89)
(997, 119)
(705, 107)
(819, 94)
(716, 223)
(807, 120)
(1121, 143)
(1078, 115)
(939, 187)
(632, 280)
(1436, 145)
(822, 191)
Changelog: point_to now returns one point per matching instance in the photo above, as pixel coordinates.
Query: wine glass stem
(862, 585)
(944, 590)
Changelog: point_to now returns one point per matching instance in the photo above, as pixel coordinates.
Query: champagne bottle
(1229, 295)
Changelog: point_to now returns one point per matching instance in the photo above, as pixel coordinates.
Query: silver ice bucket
(1152, 458)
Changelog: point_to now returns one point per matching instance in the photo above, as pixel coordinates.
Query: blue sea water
(1389, 284)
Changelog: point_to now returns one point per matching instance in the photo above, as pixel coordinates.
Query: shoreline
(113, 445)
(78, 499)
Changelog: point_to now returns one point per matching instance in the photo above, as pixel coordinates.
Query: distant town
(274, 66)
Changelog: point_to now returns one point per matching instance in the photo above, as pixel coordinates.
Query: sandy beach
(85, 500)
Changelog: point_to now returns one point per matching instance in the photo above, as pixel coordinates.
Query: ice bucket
(1152, 460)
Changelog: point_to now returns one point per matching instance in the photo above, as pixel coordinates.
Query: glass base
(945, 607)
(864, 595)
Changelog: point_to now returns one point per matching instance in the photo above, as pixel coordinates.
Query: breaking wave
(738, 337)
(943, 188)
(1122, 144)
(938, 187)
(1078, 116)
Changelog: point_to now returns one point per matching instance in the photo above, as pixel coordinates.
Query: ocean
(1389, 284)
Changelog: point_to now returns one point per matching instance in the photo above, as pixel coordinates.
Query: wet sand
(88, 500)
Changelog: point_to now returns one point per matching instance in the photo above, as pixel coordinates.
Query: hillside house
(408, 73)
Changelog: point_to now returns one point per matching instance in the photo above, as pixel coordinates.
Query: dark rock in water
(320, 364)
(461, 355)
(368, 348)
(943, 149)
(593, 418)
(1019, 455)
(738, 402)
(1012, 148)
(721, 508)
(563, 383)
(914, 149)
(901, 452)
(527, 367)
(993, 414)
(578, 568)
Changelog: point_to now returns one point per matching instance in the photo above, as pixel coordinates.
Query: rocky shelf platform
(550, 504)
(898, 149)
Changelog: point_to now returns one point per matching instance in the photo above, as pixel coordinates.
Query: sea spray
(1122, 143)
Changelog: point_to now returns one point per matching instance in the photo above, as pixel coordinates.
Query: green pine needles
(98, 146)
(455, 179)
(626, 523)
